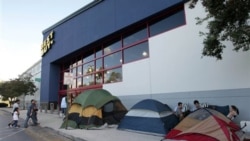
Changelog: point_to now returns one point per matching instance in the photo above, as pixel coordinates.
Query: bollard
(58, 110)
(46, 107)
(51, 108)
(41, 108)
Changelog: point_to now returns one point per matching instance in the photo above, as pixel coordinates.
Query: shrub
(3, 105)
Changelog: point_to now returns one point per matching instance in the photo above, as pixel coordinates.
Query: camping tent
(93, 108)
(222, 109)
(150, 117)
(205, 125)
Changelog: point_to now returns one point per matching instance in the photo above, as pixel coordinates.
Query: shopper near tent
(178, 111)
(233, 112)
(63, 105)
(197, 105)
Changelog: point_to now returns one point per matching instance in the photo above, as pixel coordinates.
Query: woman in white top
(64, 105)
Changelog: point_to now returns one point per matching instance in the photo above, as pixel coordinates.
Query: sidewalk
(53, 121)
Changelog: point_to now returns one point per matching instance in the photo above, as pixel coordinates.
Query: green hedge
(3, 105)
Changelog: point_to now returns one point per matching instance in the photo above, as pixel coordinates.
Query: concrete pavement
(53, 121)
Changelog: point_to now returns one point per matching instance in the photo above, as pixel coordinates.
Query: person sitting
(233, 112)
(197, 105)
(178, 111)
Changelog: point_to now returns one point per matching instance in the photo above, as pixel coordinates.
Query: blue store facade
(81, 36)
(138, 49)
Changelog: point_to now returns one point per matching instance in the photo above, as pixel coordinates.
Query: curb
(66, 135)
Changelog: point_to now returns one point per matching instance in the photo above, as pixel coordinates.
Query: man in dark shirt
(31, 113)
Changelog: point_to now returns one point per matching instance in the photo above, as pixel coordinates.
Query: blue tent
(150, 117)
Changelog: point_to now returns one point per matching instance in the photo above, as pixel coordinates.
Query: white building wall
(136, 80)
(176, 71)
(175, 58)
(176, 64)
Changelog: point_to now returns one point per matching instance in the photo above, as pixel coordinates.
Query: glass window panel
(114, 75)
(79, 62)
(112, 47)
(73, 84)
(99, 77)
(79, 82)
(74, 72)
(113, 60)
(74, 64)
(136, 52)
(88, 80)
(79, 70)
(89, 58)
(135, 37)
(88, 68)
(168, 23)
(99, 54)
(99, 65)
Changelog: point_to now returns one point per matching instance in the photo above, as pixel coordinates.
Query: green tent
(93, 108)
(96, 98)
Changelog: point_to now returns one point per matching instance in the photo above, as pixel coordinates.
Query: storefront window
(98, 54)
(79, 70)
(170, 22)
(90, 57)
(136, 52)
(114, 75)
(103, 63)
(79, 82)
(88, 80)
(73, 84)
(112, 47)
(99, 77)
(98, 65)
(74, 72)
(113, 60)
(135, 37)
(88, 68)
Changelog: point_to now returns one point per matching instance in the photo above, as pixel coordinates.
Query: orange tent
(205, 125)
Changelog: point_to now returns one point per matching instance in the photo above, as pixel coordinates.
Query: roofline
(88, 6)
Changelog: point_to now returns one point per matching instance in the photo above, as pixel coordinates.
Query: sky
(21, 26)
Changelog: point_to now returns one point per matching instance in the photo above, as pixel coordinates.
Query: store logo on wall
(46, 45)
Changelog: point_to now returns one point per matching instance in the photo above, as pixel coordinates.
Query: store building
(139, 49)
(35, 72)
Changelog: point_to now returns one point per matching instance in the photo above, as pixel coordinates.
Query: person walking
(31, 113)
(16, 117)
(15, 105)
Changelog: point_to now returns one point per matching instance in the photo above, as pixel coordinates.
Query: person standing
(63, 106)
